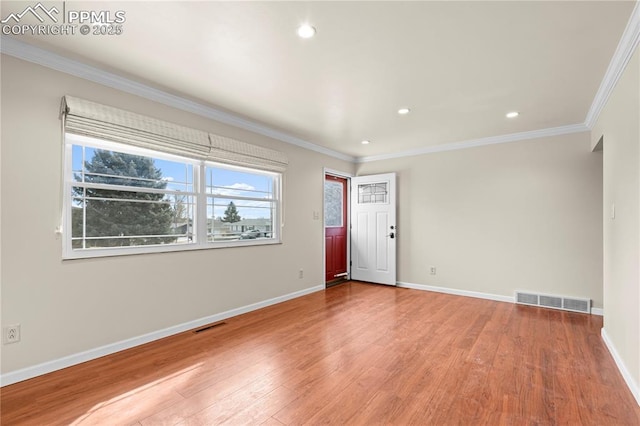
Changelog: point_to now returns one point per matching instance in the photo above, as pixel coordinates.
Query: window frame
(199, 192)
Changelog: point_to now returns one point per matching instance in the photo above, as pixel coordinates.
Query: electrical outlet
(300, 273)
(11, 334)
(432, 270)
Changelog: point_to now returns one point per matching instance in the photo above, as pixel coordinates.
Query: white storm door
(373, 228)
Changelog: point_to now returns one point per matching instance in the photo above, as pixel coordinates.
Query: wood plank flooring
(353, 354)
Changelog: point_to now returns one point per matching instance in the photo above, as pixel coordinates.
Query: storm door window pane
(333, 204)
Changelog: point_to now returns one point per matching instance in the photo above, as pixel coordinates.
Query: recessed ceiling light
(513, 114)
(404, 111)
(306, 31)
(365, 142)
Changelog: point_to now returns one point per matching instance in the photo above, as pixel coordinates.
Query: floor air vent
(556, 302)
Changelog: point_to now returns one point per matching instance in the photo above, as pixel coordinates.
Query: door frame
(347, 176)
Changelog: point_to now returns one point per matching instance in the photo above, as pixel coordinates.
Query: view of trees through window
(113, 218)
(231, 214)
(121, 199)
(240, 205)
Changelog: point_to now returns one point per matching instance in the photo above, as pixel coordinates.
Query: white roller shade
(91, 119)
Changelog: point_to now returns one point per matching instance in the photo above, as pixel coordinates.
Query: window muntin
(102, 218)
(172, 175)
(234, 181)
(241, 204)
(373, 193)
(122, 200)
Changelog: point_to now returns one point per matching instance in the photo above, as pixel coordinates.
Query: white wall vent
(574, 304)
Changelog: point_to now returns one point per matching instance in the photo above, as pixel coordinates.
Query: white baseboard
(628, 378)
(457, 292)
(478, 295)
(67, 361)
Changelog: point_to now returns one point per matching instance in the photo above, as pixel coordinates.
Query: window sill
(128, 251)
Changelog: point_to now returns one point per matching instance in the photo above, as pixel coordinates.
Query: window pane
(149, 210)
(333, 200)
(242, 206)
(229, 220)
(372, 193)
(101, 166)
(236, 183)
(103, 218)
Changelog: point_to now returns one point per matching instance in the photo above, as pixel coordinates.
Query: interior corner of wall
(597, 141)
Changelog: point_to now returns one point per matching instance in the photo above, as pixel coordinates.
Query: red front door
(335, 227)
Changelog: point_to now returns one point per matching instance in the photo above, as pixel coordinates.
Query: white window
(136, 184)
(241, 203)
(121, 199)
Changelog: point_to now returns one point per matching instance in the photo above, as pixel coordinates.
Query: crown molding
(25, 51)
(491, 140)
(625, 50)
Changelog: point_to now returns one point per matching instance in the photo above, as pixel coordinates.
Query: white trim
(67, 361)
(621, 57)
(478, 295)
(457, 292)
(21, 50)
(491, 140)
(625, 50)
(198, 192)
(626, 375)
(328, 171)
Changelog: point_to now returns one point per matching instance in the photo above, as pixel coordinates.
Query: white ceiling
(459, 66)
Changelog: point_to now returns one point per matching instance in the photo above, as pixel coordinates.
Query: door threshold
(336, 282)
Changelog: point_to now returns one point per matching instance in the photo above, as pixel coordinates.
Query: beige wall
(73, 306)
(525, 215)
(619, 125)
(493, 219)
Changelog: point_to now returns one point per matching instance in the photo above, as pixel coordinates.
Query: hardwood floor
(353, 354)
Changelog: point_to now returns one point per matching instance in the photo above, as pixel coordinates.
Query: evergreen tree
(231, 214)
(109, 215)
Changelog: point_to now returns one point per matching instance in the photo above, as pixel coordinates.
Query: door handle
(392, 235)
